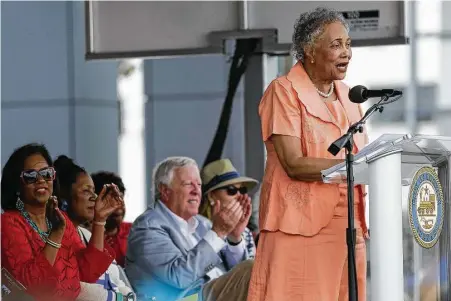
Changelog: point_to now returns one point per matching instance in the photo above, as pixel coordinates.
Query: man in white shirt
(174, 252)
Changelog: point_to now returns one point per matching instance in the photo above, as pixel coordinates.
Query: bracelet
(53, 244)
(234, 243)
(99, 223)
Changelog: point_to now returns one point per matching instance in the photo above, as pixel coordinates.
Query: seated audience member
(40, 246)
(116, 230)
(174, 252)
(253, 221)
(221, 182)
(77, 199)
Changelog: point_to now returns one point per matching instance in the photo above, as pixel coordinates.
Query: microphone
(360, 94)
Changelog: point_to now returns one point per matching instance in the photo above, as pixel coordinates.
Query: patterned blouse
(22, 255)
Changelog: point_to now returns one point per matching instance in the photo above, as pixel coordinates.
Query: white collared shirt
(188, 229)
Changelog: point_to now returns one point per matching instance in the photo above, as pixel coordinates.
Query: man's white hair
(163, 172)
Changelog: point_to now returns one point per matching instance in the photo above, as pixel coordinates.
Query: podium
(409, 215)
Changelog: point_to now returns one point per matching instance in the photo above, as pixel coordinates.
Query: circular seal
(426, 207)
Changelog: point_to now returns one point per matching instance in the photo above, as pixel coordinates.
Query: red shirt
(118, 242)
(22, 255)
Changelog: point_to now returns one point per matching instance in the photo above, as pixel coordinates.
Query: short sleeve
(280, 112)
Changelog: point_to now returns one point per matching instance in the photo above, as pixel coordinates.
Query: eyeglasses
(232, 190)
(31, 176)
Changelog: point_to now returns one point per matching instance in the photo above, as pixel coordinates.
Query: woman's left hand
(246, 204)
(107, 202)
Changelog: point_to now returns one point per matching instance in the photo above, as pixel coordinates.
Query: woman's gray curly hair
(310, 26)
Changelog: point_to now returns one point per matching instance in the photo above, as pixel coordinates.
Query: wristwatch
(234, 243)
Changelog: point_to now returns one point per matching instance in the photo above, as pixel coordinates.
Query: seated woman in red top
(40, 246)
(116, 230)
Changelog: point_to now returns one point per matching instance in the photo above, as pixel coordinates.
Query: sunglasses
(232, 190)
(31, 176)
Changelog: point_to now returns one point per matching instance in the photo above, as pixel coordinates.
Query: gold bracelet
(53, 244)
(99, 223)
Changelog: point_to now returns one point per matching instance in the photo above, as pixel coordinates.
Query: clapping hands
(245, 202)
(231, 220)
(107, 202)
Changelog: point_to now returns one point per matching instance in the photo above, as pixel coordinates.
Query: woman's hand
(56, 219)
(226, 218)
(235, 235)
(107, 202)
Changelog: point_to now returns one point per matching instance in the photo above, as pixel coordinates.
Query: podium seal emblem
(426, 207)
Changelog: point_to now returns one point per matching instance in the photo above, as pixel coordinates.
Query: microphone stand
(347, 142)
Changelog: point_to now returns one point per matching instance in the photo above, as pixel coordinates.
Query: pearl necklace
(326, 95)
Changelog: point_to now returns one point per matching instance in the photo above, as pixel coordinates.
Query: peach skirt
(298, 268)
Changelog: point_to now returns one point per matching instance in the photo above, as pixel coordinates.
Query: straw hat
(221, 173)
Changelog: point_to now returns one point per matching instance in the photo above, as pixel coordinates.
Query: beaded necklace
(42, 234)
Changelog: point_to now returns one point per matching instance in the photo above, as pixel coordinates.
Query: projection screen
(121, 29)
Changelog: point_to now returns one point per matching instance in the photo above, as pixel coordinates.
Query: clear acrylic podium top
(417, 151)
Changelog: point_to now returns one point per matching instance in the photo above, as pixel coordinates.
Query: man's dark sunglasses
(31, 176)
(232, 190)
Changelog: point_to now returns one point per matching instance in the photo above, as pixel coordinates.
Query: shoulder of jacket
(12, 216)
(148, 219)
(281, 81)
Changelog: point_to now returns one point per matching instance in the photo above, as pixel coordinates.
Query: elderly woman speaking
(302, 253)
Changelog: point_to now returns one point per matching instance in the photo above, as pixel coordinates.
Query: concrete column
(132, 165)
(444, 100)
(261, 71)
(49, 93)
(410, 106)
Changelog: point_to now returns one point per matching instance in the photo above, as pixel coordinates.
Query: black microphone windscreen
(356, 94)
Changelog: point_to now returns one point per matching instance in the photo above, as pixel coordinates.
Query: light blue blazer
(159, 262)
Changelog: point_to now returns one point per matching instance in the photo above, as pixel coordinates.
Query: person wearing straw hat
(222, 183)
